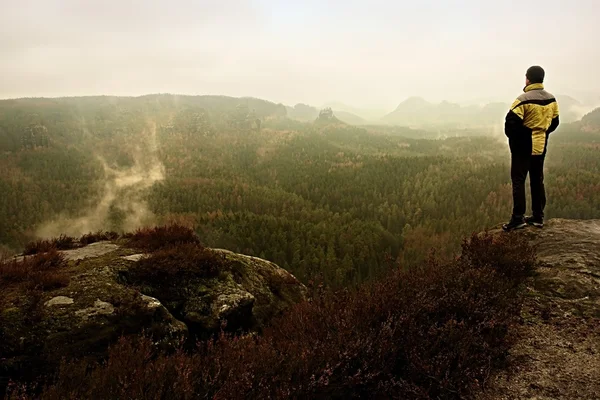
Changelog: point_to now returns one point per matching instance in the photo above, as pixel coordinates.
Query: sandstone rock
(246, 295)
(151, 302)
(59, 301)
(101, 303)
(99, 308)
(80, 320)
(93, 250)
(556, 354)
(134, 257)
(273, 288)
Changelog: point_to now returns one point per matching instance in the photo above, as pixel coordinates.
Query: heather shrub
(38, 246)
(175, 263)
(62, 242)
(432, 332)
(133, 371)
(508, 255)
(40, 271)
(99, 236)
(151, 239)
(65, 242)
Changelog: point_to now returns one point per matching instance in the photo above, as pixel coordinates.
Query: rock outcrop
(248, 293)
(100, 303)
(557, 349)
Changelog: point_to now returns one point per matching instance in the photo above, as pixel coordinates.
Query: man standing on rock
(531, 119)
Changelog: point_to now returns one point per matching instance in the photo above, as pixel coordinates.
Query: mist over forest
(310, 192)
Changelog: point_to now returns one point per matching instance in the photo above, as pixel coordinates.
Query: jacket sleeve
(553, 125)
(513, 124)
(555, 121)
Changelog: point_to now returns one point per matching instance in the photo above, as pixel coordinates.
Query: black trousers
(521, 165)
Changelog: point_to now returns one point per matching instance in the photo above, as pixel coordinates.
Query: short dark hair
(535, 74)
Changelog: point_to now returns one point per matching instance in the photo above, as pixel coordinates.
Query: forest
(326, 200)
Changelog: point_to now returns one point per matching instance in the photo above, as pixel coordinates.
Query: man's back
(532, 114)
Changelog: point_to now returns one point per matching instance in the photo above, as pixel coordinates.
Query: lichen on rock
(59, 301)
(99, 308)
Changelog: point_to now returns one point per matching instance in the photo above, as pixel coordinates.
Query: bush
(151, 239)
(176, 262)
(132, 372)
(41, 271)
(508, 255)
(63, 242)
(97, 237)
(432, 332)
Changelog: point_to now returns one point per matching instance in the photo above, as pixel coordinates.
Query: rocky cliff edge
(557, 349)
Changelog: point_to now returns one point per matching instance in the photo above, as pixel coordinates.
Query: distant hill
(349, 118)
(571, 109)
(591, 121)
(492, 111)
(417, 112)
(302, 112)
(36, 122)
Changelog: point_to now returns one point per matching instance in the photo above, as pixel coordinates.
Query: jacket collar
(534, 86)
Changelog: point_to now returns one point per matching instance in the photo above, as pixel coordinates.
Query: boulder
(273, 288)
(59, 301)
(38, 328)
(101, 303)
(246, 295)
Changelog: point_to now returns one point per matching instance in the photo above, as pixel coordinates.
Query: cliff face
(557, 349)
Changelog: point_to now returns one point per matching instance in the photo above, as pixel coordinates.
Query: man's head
(534, 74)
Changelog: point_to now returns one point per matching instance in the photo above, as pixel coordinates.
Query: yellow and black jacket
(532, 117)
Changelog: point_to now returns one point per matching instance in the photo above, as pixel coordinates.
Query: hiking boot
(535, 221)
(514, 224)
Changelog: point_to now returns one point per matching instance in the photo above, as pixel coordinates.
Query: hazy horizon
(365, 54)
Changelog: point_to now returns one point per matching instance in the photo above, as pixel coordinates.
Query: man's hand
(553, 125)
(513, 125)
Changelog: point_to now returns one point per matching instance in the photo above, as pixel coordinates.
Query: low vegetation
(153, 239)
(65, 242)
(99, 236)
(431, 332)
(41, 271)
(177, 261)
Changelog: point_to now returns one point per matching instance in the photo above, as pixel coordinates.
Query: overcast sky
(369, 53)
